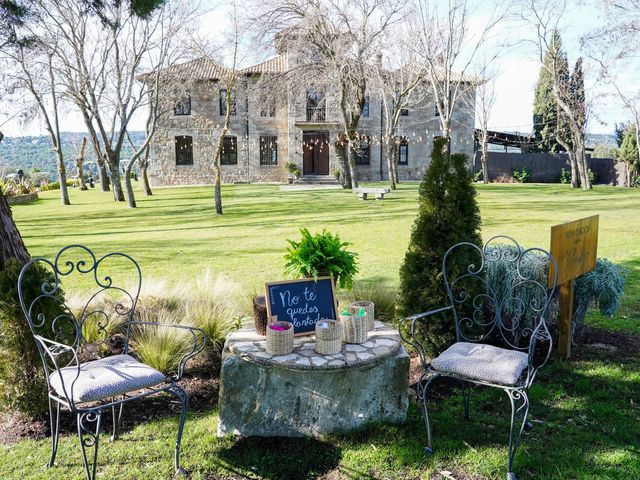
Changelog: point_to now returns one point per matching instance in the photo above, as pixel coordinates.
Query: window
(268, 108)
(269, 150)
(183, 106)
(365, 107)
(223, 102)
(404, 112)
(229, 154)
(403, 152)
(363, 152)
(184, 150)
(316, 105)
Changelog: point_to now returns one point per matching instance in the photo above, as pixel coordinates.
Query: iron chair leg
(422, 394)
(466, 399)
(519, 411)
(184, 400)
(89, 438)
(54, 418)
(117, 419)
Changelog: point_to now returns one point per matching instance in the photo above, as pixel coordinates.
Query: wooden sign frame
(574, 245)
(334, 301)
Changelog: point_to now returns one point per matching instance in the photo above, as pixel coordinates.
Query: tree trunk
(131, 199)
(390, 166)
(104, 177)
(62, 178)
(341, 152)
(581, 160)
(351, 165)
(114, 170)
(145, 180)
(484, 157)
(80, 164)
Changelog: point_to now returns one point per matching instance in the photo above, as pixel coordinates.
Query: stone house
(267, 132)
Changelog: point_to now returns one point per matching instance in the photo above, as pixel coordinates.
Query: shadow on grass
(282, 458)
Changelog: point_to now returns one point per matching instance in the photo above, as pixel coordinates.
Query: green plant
(291, 167)
(592, 176)
(22, 385)
(477, 177)
(336, 173)
(321, 254)
(447, 214)
(21, 187)
(50, 186)
(522, 176)
(565, 176)
(161, 347)
(381, 294)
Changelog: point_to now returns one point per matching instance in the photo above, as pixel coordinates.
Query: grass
(588, 410)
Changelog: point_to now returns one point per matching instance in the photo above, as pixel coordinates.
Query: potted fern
(322, 254)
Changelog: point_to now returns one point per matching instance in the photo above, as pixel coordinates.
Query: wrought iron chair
(89, 389)
(501, 334)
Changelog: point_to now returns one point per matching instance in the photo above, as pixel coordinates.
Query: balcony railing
(316, 114)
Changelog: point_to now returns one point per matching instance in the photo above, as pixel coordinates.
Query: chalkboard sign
(302, 302)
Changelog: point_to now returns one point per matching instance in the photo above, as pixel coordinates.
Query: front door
(315, 153)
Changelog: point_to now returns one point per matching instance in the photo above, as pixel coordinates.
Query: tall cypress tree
(545, 110)
(447, 214)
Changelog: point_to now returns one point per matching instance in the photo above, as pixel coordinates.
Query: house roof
(278, 64)
(202, 68)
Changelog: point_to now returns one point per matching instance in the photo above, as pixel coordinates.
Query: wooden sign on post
(574, 245)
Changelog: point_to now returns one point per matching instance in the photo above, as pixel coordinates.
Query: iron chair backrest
(501, 294)
(60, 329)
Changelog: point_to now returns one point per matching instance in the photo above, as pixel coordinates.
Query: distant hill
(593, 139)
(35, 151)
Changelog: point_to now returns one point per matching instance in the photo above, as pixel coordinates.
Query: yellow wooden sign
(574, 245)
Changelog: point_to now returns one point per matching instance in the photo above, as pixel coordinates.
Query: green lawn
(588, 410)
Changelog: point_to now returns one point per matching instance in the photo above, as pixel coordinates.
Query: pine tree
(447, 214)
(628, 153)
(545, 110)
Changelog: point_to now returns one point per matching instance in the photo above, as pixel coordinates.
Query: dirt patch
(613, 346)
(199, 382)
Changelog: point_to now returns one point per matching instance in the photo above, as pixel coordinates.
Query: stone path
(382, 342)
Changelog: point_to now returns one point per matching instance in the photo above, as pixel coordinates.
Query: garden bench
(501, 334)
(378, 192)
(90, 388)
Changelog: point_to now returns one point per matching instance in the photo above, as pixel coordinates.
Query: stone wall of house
(420, 126)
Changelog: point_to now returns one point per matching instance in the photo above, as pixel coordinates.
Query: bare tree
(33, 70)
(400, 83)
(333, 44)
(80, 164)
(485, 101)
(447, 47)
(545, 18)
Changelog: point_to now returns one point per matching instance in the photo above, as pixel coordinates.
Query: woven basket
(354, 327)
(329, 339)
(369, 309)
(260, 314)
(280, 342)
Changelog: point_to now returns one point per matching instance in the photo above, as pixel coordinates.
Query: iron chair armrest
(197, 346)
(411, 330)
(53, 349)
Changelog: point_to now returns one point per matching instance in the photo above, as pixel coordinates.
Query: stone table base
(308, 394)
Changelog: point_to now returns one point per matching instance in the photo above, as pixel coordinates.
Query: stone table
(308, 394)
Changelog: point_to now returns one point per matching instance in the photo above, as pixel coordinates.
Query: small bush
(161, 347)
(22, 384)
(50, 186)
(383, 296)
(21, 187)
(592, 176)
(522, 176)
(565, 176)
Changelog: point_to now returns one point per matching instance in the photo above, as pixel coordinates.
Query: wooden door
(315, 153)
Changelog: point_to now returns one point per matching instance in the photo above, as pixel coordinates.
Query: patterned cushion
(104, 378)
(482, 362)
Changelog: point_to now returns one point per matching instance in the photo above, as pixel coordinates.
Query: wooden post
(565, 316)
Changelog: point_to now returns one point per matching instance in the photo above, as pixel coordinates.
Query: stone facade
(293, 131)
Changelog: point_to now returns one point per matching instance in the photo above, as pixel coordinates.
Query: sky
(517, 72)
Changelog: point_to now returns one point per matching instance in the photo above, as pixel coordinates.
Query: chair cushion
(104, 378)
(482, 362)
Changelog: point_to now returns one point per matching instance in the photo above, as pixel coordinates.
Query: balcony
(316, 114)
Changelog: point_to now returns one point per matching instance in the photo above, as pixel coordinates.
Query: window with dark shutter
(269, 150)
(184, 150)
(404, 112)
(365, 107)
(268, 107)
(183, 106)
(403, 152)
(229, 153)
(363, 152)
